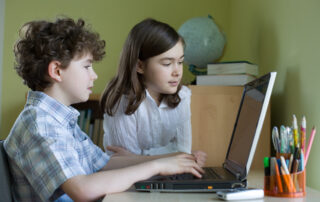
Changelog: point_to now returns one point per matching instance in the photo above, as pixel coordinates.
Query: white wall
(2, 6)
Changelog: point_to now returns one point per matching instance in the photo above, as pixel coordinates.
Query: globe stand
(194, 70)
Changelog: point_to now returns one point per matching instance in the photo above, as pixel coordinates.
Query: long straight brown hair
(147, 39)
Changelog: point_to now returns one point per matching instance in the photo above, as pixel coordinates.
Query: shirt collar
(62, 113)
(150, 98)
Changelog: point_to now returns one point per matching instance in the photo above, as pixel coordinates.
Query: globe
(204, 42)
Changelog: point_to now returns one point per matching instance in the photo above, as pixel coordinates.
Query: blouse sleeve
(184, 132)
(120, 130)
(184, 137)
(169, 148)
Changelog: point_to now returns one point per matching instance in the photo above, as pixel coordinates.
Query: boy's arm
(123, 158)
(94, 186)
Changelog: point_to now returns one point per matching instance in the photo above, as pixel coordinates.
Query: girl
(147, 110)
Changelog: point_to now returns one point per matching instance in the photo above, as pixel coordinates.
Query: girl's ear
(54, 70)
(140, 66)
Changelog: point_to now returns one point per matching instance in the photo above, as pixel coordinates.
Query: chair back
(5, 176)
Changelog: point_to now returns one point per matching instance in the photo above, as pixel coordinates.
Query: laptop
(233, 172)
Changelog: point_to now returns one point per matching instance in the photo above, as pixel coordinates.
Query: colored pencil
(313, 132)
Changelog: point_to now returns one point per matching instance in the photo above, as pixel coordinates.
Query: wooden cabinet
(213, 113)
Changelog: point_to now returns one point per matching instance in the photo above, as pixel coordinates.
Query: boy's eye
(180, 63)
(87, 66)
(166, 64)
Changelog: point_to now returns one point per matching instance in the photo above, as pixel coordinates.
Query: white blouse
(151, 129)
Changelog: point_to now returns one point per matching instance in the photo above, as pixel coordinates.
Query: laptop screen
(248, 124)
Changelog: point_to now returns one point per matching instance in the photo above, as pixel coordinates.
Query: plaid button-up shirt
(46, 147)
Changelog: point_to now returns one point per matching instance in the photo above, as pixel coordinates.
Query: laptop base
(188, 186)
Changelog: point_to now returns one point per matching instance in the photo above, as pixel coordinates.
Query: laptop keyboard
(209, 174)
(184, 176)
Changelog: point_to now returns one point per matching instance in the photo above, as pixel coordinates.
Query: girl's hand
(200, 156)
(178, 164)
(119, 151)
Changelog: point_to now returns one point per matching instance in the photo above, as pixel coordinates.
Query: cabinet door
(213, 114)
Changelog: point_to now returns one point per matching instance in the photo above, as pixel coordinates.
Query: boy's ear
(140, 66)
(54, 70)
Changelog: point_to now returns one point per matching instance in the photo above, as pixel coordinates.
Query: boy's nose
(94, 76)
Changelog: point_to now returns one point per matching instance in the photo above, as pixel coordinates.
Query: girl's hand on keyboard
(200, 156)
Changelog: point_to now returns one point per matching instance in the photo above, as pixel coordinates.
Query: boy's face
(162, 73)
(77, 80)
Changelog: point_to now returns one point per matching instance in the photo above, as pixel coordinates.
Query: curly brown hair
(42, 42)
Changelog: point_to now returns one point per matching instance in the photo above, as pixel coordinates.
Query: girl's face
(162, 73)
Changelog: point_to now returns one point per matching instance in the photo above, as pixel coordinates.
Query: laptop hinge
(237, 174)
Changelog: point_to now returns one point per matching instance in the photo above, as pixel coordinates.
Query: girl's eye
(167, 64)
(180, 63)
(87, 67)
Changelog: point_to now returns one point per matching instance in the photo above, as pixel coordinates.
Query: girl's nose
(177, 70)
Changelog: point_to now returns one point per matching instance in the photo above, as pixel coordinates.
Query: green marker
(266, 162)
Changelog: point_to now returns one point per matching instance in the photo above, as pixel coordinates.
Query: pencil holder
(285, 155)
(292, 185)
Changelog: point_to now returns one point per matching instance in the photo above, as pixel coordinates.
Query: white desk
(255, 179)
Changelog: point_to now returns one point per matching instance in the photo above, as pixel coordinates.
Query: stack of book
(229, 74)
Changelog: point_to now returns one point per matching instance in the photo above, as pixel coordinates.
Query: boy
(50, 157)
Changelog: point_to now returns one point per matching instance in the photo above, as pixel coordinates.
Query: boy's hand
(200, 156)
(181, 163)
(119, 151)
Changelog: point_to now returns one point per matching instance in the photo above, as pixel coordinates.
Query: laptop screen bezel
(239, 171)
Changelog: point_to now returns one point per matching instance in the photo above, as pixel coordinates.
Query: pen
(295, 130)
(290, 140)
(283, 139)
(290, 163)
(303, 132)
(286, 175)
(295, 166)
(276, 168)
(301, 160)
(313, 132)
(284, 165)
(272, 167)
(275, 139)
(286, 180)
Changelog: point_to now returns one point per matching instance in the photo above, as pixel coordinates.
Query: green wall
(113, 19)
(279, 35)
(283, 36)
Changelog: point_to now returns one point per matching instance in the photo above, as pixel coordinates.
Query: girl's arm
(171, 147)
(94, 186)
(120, 130)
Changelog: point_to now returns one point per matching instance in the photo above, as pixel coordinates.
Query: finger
(194, 165)
(196, 173)
(114, 148)
(201, 159)
(201, 164)
(189, 156)
(198, 168)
